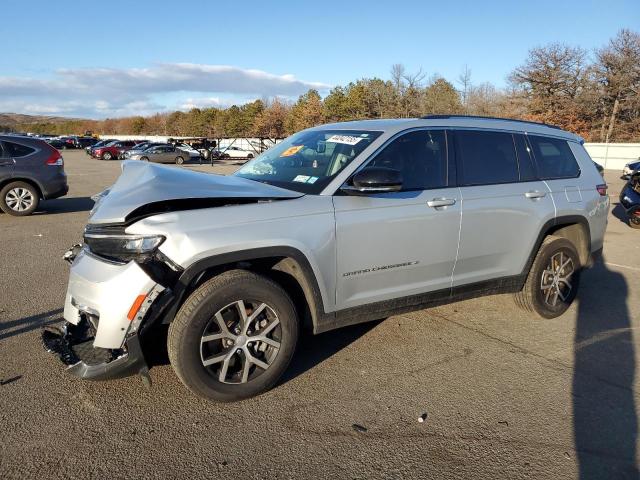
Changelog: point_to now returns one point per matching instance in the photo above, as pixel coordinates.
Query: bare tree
(464, 79)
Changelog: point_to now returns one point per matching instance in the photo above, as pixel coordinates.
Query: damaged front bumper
(74, 346)
(108, 309)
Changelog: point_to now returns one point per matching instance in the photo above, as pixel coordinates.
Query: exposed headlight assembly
(122, 248)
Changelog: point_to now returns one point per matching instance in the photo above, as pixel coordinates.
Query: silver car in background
(162, 154)
(336, 225)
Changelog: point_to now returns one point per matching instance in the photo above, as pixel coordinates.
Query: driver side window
(421, 158)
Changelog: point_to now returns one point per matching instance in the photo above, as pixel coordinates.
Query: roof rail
(436, 117)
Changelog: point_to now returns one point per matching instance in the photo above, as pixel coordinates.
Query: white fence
(613, 156)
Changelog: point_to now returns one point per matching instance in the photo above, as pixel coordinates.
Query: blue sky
(99, 59)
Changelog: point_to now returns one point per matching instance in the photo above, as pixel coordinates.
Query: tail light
(602, 189)
(55, 159)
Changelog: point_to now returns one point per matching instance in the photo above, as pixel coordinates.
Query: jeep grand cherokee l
(336, 225)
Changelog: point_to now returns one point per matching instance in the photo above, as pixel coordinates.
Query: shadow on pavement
(27, 324)
(65, 205)
(619, 212)
(604, 410)
(314, 349)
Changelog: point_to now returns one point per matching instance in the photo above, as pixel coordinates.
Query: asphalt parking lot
(505, 395)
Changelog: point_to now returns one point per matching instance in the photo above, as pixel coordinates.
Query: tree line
(594, 94)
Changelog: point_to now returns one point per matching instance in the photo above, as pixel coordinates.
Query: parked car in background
(30, 170)
(140, 147)
(162, 154)
(57, 143)
(101, 143)
(630, 199)
(629, 168)
(236, 152)
(113, 149)
(84, 142)
(193, 153)
(68, 142)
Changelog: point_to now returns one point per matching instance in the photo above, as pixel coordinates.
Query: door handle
(441, 202)
(535, 194)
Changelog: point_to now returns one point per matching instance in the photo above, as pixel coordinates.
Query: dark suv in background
(30, 170)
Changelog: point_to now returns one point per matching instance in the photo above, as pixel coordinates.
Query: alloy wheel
(241, 341)
(19, 199)
(556, 279)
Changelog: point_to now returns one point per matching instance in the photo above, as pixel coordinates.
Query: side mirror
(375, 180)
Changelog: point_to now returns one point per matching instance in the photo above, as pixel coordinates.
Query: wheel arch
(574, 228)
(285, 265)
(34, 183)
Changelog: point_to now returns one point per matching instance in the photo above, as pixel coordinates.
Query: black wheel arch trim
(565, 220)
(311, 288)
(26, 179)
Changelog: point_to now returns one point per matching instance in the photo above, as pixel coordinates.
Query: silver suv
(336, 225)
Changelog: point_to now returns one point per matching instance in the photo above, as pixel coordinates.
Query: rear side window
(15, 150)
(554, 158)
(421, 158)
(486, 158)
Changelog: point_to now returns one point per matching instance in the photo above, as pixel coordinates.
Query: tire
(199, 317)
(250, 156)
(179, 160)
(543, 292)
(106, 156)
(634, 222)
(19, 199)
(144, 159)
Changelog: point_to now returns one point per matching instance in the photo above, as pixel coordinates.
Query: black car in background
(30, 170)
(84, 142)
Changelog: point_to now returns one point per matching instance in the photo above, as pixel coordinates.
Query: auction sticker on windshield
(346, 139)
(291, 151)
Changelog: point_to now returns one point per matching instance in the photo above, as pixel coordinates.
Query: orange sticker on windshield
(291, 151)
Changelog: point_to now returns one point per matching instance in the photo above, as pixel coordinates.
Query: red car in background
(113, 149)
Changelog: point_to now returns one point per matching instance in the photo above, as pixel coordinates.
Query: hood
(145, 189)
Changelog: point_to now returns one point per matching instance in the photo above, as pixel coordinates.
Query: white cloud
(105, 92)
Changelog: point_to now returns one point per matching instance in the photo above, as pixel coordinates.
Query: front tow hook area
(71, 254)
(73, 345)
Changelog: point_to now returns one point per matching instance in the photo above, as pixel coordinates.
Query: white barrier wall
(613, 156)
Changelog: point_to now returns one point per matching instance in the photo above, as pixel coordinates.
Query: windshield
(308, 161)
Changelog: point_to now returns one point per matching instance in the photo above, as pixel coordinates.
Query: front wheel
(106, 156)
(234, 336)
(179, 160)
(552, 283)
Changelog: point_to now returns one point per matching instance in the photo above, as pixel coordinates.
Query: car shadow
(28, 324)
(66, 205)
(312, 350)
(605, 422)
(618, 211)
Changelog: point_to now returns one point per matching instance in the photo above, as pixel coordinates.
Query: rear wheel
(106, 156)
(144, 159)
(250, 156)
(234, 336)
(19, 199)
(179, 160)
(552, 283)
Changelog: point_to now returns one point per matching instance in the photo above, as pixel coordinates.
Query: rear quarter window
(554, 158)
(16, 150)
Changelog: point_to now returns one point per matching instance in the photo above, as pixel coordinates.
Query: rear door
(398, 244)
(504, 205)
(6, 164)
(558, 167)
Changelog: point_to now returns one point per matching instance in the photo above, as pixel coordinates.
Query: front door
(397, 244)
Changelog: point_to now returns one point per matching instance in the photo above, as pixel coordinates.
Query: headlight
(122, 248)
